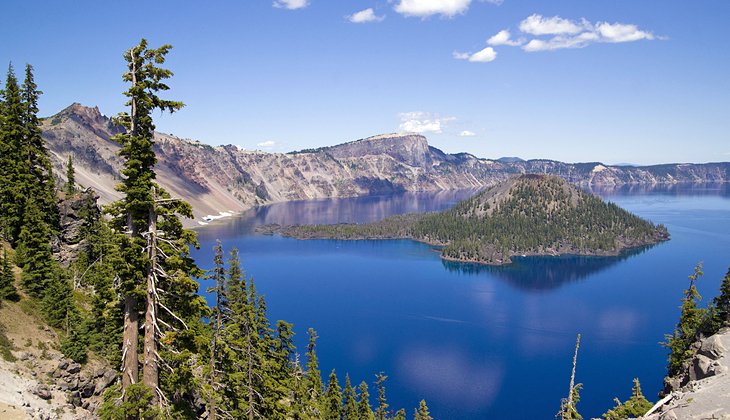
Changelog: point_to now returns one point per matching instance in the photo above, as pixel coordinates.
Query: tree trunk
(212, 407)
(150, 374)
(570, 403)
(213, 347)
(130, 362)
(250, 379)
(130, 357)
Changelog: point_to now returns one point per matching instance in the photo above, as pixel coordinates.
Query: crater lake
(478, 341)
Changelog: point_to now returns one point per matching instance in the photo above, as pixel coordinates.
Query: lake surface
(483, 342)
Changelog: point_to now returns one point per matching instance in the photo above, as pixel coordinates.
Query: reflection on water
(545, 272)
(337, 210)
(684, 189)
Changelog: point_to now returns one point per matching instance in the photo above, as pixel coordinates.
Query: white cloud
(426, 8)
(268, 144)
(467, 133)
(620, 32)
(461, 55)
(560, 42)
(291, 4)
(484, 56)
(503, 37)
(573, 34)
(422, 122)
(540, 25)
(363, 16)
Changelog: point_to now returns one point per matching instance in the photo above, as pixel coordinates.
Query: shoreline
(275, 229)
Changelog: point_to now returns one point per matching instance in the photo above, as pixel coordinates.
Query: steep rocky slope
(705, 391)
(224, 178)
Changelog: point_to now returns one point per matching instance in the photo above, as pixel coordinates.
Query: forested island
(525, 215)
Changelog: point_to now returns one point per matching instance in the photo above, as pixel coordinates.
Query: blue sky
(612, 81)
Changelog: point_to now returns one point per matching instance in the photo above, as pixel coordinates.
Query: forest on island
(528, 214)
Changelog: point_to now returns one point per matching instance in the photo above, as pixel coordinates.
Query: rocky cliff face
(224, 178)
(702, 390)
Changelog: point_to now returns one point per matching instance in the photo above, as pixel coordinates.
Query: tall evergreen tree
(57, 304)
(349, 401)
(11, 141)
(220, 310)
(332, 409)
(7, 279)
(722, 302)
(364, 411)
(38, 181)
(34, 252)
(690, 319)
(313, 376)
(70, 177)
(158, 270)
(422, 413)
(382, 411)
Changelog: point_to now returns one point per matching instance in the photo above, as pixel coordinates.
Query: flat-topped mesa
(411, 149)
(524, 215)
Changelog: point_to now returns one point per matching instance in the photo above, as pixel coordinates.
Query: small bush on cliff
(636, 406)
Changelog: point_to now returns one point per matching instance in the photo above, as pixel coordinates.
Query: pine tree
(364, 411)
(7, 279)
(681, 340)
(400, 414)
(95, 267)
(568, 405)
(382, 412)
(722, 302)
(57, 305)
(36, 171)
(332, 399)
(34, 252)
(313, 376)
(422, 413)
(70, 177)
(219, 311)
(11, 142)
(636, 406)
(158, 270)
(349, 401)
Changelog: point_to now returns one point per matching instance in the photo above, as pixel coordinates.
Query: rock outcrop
(76, 212)
(224, 178)
(41, 383)
(702, 391)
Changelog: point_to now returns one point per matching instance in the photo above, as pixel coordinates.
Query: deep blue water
(483, 342)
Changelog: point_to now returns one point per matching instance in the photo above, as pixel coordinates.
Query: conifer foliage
(70, 177)
(690, 320)
(135, 271)
(157, 273)
(636, 406)
(7, 278)
(722, 303)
